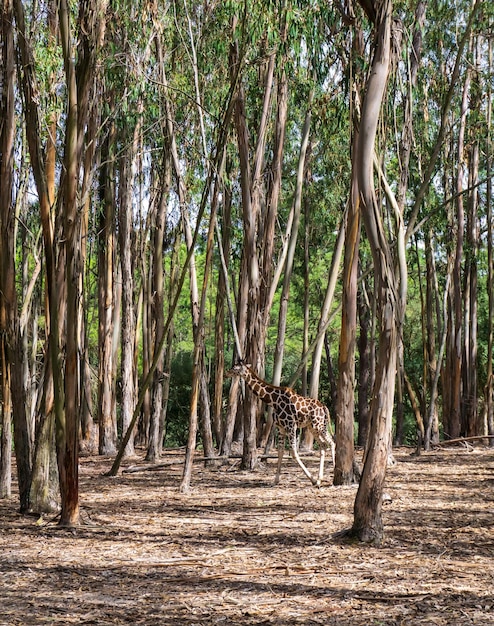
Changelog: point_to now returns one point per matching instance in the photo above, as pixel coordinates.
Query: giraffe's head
(239, 369)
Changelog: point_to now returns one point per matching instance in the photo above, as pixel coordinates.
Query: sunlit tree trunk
(318, 344)
(45, 492)
(368, 525)
(248, 307)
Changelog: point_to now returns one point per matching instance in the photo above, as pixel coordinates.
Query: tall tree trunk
(368, 525)
(221, 428)
(45, 488)
(489, 385)
(471, 426)
(455, 345)
(9, 327)
(345, 405)
(89, 434)
(345, 402)
(287, 276)
(128, 328)
(248, 301)
(155, 443)
(364, 366)
(431, 304)
(470, 399)
(317, 346)
(67, 423)
(106, 257)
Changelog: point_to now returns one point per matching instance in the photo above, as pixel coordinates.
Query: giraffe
(290, 412)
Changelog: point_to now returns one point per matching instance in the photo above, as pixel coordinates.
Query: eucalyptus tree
(489, 385)
(344, 415)
(368, 525)
(106, 293)
(12, 387)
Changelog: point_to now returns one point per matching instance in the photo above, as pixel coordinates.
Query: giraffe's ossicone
(291, 411)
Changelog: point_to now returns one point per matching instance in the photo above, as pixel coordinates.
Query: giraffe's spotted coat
(291, 411)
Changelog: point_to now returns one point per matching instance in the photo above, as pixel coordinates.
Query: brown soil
(237, 550)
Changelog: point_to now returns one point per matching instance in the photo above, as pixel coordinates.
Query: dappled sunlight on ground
(237, 550)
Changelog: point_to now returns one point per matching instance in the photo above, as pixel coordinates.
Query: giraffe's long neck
(260, 387)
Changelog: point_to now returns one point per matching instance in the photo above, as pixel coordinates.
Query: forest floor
(237, 550)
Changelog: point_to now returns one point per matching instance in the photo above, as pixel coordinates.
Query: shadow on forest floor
(237, 550)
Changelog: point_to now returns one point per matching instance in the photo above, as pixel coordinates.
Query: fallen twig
(452, 442)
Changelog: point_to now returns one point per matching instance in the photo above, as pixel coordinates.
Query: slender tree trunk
(67, 378)
(89, 434)
(221, 428)
(470, 399)
(145, 331)
(345, 397)
(305, 340)
(416, 411)
(344, 419)
(106, 238)
(405, 148)
(128, 328)
(8, 296)
(248, 306)
(317, 346)
(45, 485)
(287, 277)
(435, 382)
(489, 385)
(158, 313)
(456, 344)
(471, 426)
(431, 304)
(364, 367)
(67, 423)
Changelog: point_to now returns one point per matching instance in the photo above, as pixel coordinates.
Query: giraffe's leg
(321, 466)
(331, 443)
(293, 446)
(324, 441)
(281, 446)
